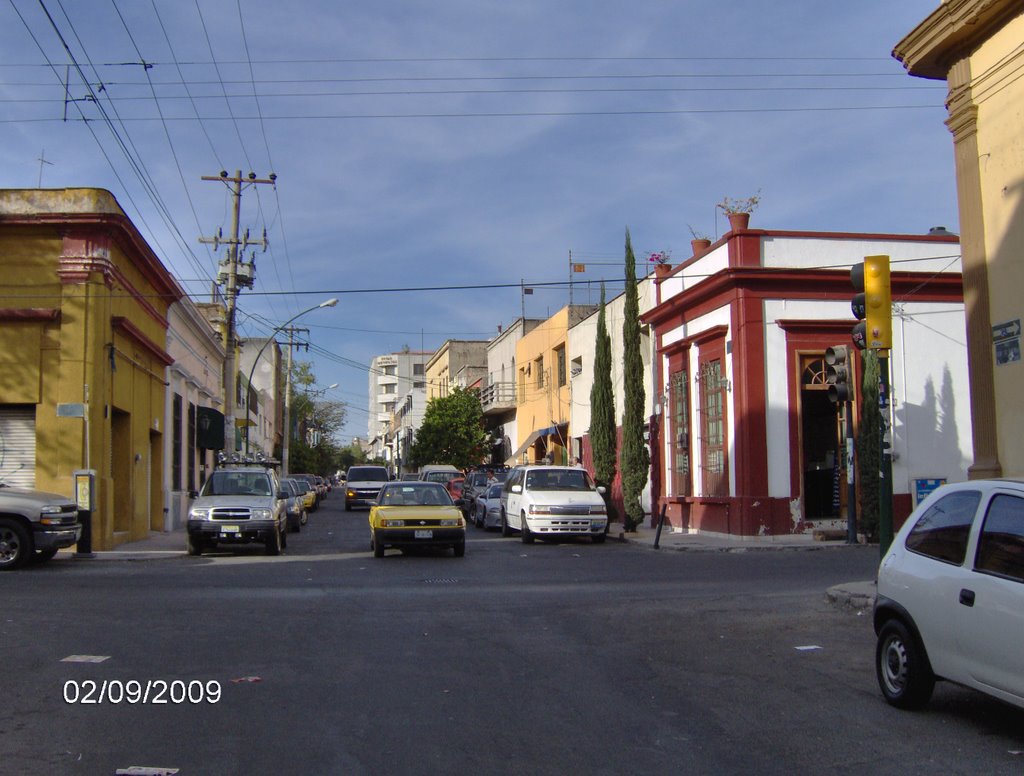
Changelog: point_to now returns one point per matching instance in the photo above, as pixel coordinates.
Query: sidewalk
(159, 544)
(856, 595)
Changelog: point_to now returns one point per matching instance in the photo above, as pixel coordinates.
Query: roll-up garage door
(18, 445)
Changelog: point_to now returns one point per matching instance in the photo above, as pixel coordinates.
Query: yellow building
(975, 46)
(456, 364)
(543, 393)
(83, 320)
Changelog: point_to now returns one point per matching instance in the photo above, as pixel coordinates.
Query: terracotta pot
(662, 270)
(700, 245)
(739, 222)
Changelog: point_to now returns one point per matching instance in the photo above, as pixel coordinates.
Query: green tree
(869, 453)
(602, 411)
(635, 460)
(452, 432)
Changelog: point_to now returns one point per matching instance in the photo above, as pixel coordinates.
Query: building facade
(392, 376)
(84, 318)
(974, 45)
(750, 443)
(195, 402)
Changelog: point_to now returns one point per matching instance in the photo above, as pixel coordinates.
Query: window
(560, 360)
(1001, 545)
(176, 432)
(941, 532)
(417, 369)
(191, 466)
(712, 409)
(680, 402)
(538, 368)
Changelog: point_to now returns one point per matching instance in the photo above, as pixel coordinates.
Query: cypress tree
(636, 461)
(869, 454)
(602, 411)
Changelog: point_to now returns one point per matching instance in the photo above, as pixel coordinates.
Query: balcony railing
(498, 396)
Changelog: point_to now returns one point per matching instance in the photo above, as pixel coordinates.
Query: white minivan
(552, 501)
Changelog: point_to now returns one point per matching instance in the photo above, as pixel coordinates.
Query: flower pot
(700, 245)
(662, 270)
(739, 222)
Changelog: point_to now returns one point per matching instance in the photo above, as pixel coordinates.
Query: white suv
(552, 501)
(950, 599)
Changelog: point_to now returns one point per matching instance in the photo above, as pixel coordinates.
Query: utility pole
(286, 442)
(234, 273)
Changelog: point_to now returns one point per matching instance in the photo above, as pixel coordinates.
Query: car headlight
(262, 514)
(199, 513)
(451, 521)
(539, 509)
(601, 510)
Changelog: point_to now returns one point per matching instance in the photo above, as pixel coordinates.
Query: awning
(535, 435)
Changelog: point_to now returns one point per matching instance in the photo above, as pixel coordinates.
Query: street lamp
(328, 303)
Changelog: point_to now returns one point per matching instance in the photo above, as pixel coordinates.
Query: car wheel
(15, 545)
(274, 543)
(505, 530)
(378, 547)
(524, 530)
(904, 676)
(41, 556)
(294, 524)
(598, 538)
(284, 535)
(194, 545)
(348, 507)
(459, 549)
(303, 517)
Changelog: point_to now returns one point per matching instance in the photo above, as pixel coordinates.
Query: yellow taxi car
(416, 514)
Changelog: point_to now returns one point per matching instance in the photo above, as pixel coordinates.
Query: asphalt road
(561, 658)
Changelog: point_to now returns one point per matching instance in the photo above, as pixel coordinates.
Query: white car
(487, 508)
(950, 601)
(551, 502)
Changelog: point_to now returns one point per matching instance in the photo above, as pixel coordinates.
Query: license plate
(229, 529)
(424, 534)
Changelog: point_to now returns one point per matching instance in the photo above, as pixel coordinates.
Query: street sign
(71, 410)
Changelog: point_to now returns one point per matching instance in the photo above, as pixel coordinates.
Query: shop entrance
(822, 445)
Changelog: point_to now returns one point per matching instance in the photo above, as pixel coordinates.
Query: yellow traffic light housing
(877, 303)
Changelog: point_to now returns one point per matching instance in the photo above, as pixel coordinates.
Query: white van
(550, 501)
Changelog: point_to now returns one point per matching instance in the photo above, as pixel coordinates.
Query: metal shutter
(18, 445)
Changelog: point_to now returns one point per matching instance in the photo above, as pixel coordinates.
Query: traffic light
(837, 375)
(873, 303)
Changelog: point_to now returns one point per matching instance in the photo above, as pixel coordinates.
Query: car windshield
(494, 491)
(368, 474)
(442, 476)
(229, 483)
(558, 479)
(424, 494)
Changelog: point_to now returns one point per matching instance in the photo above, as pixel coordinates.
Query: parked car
(238, 504)
(487, 507)
(363, 485)
(454, 488)
(310, 481)
(950, 602)
(551, 502)
(34, 525)
(439, 472)
(296, 509)
(416, 514)
(478, 481)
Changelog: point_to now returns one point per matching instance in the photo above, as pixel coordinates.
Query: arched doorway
(823, 487)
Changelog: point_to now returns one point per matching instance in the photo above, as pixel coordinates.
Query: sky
(432, 158)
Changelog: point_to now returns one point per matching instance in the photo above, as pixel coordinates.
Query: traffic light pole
(851, 483)
(885, 473)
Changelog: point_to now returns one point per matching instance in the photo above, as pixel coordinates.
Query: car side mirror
(516, 488)
(601, 489)
(282, 495)
(193, 494)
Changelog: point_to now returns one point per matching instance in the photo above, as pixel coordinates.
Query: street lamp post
(328, 303)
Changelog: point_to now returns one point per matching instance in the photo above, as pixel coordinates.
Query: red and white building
(749, 443)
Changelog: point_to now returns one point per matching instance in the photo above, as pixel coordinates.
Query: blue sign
(923, 488)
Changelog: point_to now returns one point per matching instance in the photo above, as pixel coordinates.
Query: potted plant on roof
(700, 242)
(662, 261)
(738, 210)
